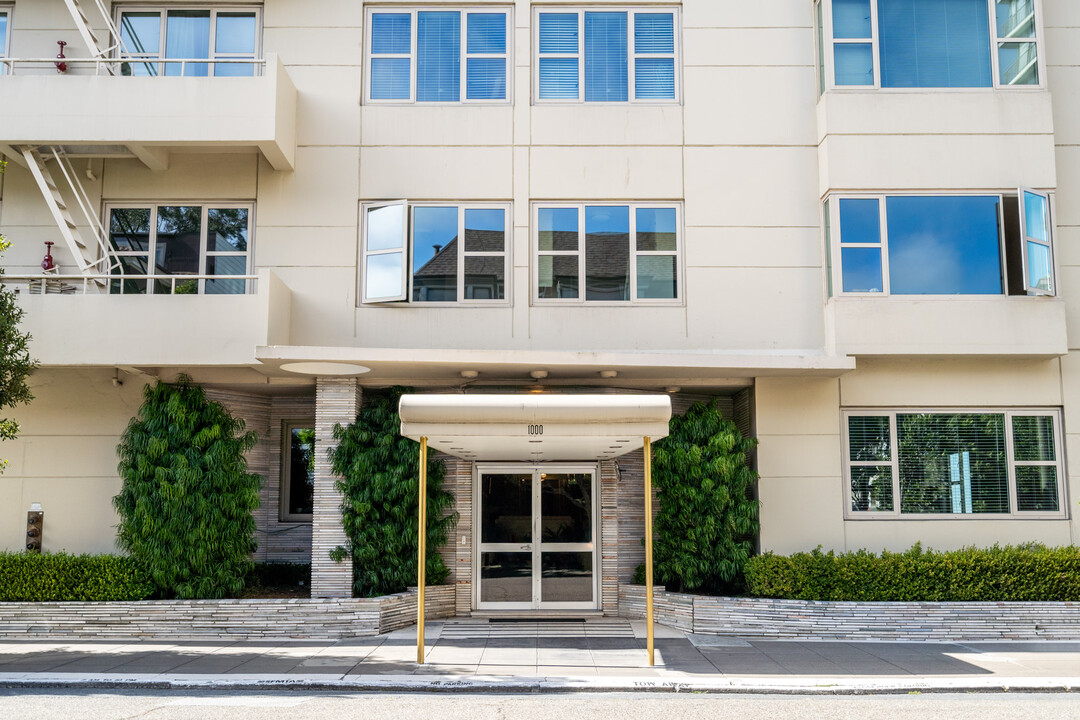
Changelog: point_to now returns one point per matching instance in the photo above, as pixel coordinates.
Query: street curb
(539, 685)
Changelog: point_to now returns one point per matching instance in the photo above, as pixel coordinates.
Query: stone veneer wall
(805, 620)
(315, 619)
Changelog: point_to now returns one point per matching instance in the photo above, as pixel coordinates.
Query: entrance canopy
(535, 428)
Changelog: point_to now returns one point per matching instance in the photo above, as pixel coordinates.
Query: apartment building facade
(846, 221)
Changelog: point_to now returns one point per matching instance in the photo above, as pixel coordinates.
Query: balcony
(74, 322)
(1021, 327)
(103, 114)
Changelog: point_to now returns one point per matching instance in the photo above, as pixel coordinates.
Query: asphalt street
(28, 704)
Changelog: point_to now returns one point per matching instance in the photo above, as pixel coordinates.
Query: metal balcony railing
(129, 66)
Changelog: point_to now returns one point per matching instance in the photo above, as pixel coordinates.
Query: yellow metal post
(421, 544)
(648, 551)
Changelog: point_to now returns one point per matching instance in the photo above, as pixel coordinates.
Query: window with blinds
(438, 56)
(931, 43)
(607, 56)
(904, 463)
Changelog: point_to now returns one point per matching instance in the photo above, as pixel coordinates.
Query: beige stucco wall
(800, 457)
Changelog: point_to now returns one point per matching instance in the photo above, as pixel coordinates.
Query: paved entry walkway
(597, 654)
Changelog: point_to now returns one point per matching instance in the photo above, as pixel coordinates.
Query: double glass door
(537, 537)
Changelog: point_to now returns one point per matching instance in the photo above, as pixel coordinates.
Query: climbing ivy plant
(380, 473)
(187, 498)
(707, 518)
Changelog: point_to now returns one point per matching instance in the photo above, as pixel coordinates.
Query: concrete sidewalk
(598, 655)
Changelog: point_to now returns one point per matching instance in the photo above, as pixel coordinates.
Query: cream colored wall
(65, 458)
(800, 457)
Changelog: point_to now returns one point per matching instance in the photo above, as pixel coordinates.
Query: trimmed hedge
(49, 577)
(1011, 573)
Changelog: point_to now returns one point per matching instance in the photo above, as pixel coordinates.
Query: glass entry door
(537, 537)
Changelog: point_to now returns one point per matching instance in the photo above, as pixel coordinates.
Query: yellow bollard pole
(421, 544)
(648, 552)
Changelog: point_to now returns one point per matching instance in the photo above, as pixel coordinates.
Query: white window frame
(1048, 244)
(829, 43)
(463, 50)
(284, 497)
(631, 54)
(1009, 413)
(409, 247)
(835, 244)
(204, 252)
(679, 253)
(163, 11)
(8, 11)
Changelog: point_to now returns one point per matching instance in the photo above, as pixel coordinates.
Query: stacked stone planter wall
(315, 619)
(800, 619)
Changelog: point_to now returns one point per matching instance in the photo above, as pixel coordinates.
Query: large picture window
(224, 35)
(930, 43)
(963, 463)
(168, 244)
(940, 244)
(607, 252)
(435, 252)
(438, 55)
(606, 55)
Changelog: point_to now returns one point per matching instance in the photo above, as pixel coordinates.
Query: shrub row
(45, 577)
(1011, 573)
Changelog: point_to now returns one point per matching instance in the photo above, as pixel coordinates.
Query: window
(606, 55)
(225, 36)
(298, 470)
(606, 252)
(168, 243)
(412, 253)
(5, 33)
(930, 43)
(940, 244)
(956, 464)
(438, 55)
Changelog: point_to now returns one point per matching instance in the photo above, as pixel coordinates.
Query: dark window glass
(506, 577)
(566, 507)
(301, 470)
(176, 252)
(506, 508)
(566, 577)
(607, 253)
(435, 254)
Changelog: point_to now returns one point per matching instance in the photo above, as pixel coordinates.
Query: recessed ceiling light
(609, 373)
(538, 374)
(469, 374)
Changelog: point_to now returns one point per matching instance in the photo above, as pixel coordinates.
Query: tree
(187, 498)
(707, 518)
(381, 471)
(15, 362)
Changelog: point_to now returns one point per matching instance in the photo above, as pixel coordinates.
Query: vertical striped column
(337, 400)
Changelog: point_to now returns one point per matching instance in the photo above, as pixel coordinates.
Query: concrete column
(337, 400)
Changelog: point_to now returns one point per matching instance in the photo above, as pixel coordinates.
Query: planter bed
(813, 620)
(313, 619)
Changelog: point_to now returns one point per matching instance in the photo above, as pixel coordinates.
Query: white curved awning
(535, 428)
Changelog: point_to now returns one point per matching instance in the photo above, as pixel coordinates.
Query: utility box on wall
(35, 520)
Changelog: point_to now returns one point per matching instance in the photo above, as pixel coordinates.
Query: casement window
(224, 35)
(298, 470)
(170, 243)
(606, 55)
(940, 244)
(435, 252)
(438, 55)
(929, 43)
(963, 463)
(607, 252)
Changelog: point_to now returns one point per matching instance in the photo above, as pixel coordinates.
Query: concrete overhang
(442, 366)
(152, 116)
(535, 428)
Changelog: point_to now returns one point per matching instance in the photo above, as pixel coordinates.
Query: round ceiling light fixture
(538, 374)
(470, 374)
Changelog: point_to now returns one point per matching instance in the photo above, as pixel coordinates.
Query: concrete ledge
(806, 620)
(314, 619)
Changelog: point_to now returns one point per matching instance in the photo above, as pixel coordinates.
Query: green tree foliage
(15, 362)
(707, 518)
(187, 498)
(381, 476)
(1011, 573)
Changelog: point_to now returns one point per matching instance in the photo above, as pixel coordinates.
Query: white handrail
(91, 284)
(9, 65)
(105, 260)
